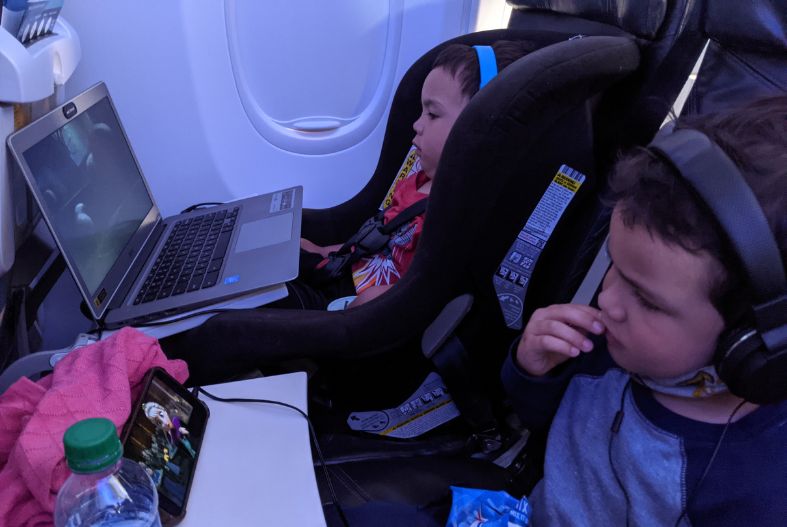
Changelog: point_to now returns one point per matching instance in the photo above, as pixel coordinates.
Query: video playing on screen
(92, 188)
(160, 441)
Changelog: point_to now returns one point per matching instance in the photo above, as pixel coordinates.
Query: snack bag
(490, 508)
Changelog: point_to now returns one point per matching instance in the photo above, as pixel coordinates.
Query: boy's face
(655, 305)
(441, 102)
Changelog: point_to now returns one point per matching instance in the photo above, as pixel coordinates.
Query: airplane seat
(670, 43)
(746, 55)
(628, 113)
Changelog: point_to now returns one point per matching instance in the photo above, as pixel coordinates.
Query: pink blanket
(100, 380)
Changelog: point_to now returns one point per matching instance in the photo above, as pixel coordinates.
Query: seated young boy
(654, 436)
(455, 77)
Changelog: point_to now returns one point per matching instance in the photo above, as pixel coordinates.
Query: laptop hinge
(138, 265)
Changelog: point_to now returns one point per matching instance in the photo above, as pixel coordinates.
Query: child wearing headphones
(457, 74)
(671, 396)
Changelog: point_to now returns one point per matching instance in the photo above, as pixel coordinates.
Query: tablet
(164, 435)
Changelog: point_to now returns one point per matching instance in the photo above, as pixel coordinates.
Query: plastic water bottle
(104, 488)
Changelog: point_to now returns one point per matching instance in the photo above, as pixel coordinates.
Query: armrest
(445, 324)
(39, 362)
(28, 365)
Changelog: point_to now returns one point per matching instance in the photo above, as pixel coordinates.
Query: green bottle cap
(92, 445)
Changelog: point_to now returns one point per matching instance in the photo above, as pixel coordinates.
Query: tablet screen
(165, 438)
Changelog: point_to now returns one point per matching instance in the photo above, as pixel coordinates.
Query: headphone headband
(487, 64)
(717, 180)
(732, 202)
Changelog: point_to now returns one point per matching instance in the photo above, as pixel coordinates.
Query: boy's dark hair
(649, 193)
(461, 61)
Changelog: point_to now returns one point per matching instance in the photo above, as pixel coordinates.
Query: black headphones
(750, 359)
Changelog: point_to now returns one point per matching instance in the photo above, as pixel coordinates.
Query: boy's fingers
(583, 317)
(556, 333)
(564, 332)
(556, 345)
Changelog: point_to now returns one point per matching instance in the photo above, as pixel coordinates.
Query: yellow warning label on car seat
(566, 181)
(411, 165)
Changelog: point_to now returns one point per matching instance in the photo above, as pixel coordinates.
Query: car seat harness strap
(370, 239)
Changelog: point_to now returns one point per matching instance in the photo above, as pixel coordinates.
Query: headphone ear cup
(742, 363)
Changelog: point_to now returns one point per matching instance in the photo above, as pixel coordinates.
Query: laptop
(131, 265)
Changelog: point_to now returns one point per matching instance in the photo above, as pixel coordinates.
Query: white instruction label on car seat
(411, 165)
(513, 275)
(430, 406)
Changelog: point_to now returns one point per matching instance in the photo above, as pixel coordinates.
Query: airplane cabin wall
(225, 99)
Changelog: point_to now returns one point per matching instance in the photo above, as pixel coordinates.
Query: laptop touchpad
(262, 233)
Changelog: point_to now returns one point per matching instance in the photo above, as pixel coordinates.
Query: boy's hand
(555, 334)
(310, 246)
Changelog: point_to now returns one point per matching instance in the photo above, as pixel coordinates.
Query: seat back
(666, 32)
(746, 55)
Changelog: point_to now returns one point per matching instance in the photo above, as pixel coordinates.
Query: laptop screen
(95, 195)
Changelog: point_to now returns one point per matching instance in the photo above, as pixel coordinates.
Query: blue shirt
(647, 472)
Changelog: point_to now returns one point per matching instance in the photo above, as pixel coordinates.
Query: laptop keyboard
(191, 258)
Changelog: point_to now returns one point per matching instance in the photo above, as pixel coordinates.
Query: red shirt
(388, 266)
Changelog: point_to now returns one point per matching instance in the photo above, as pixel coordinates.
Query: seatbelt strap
(593, 278)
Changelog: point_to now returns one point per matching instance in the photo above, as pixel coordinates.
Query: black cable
(694, 491)
(98, 331)
(184, 317)
(311, 431)
(200, 205)
(614, 429)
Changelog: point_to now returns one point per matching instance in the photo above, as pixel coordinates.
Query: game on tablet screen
(165, 438)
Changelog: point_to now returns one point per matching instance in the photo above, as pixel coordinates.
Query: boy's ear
(751, 359)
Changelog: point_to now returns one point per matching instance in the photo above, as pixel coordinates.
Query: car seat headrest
(641, 20)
